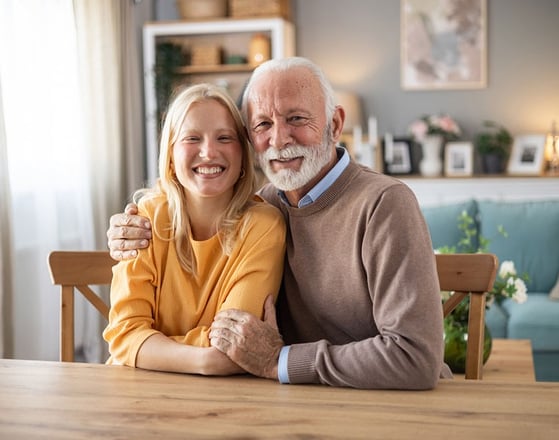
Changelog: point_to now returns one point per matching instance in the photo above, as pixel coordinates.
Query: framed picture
(527, 155)
(459, 159)
(397, 156)
(443, 44)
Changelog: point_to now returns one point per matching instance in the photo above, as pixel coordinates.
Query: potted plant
(168, 57)
(494, 146)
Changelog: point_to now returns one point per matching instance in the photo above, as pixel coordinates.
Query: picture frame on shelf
(401, 162)
(442, 46)
(459, 159)
(527, 155)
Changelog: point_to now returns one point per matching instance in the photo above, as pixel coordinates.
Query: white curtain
(64, 95)
(5, 244)
(109, 63)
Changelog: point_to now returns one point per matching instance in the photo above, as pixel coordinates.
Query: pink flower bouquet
(435, 124)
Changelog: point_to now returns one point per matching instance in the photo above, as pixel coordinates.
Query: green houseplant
(493, 144)
(168, 57)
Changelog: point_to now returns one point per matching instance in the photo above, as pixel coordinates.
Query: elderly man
(360, 303)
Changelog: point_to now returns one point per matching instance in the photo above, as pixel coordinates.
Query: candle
(388, 148)
(373, 132)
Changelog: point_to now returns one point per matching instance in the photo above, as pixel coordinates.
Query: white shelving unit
(234, 32)
(433, 191)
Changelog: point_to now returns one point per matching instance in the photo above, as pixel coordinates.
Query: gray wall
(357, 43)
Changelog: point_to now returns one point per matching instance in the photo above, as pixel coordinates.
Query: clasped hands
(252, 344)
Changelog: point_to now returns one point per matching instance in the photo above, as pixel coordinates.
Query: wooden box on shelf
(201, 9)
(260, 8)
(205, 55)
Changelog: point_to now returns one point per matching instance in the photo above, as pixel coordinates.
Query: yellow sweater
(153, 294)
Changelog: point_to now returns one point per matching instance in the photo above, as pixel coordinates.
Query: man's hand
(127, 233)
(252, 344)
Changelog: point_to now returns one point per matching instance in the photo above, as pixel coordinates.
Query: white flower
(520, 295)
(507, 269)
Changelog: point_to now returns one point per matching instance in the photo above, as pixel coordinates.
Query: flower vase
(455, 343)
(431, 164)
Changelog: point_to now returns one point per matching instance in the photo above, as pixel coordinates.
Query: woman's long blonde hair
(228, 224)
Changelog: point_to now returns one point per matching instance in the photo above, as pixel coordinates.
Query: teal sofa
(533, 245)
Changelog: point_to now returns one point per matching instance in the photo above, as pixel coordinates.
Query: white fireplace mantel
(436, 191)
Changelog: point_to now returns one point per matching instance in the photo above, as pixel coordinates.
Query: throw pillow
(554, 294)
(529, 225)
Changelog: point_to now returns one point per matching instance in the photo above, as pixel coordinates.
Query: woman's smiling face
(207, 155)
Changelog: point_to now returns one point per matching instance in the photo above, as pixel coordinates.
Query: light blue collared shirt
(310, 197)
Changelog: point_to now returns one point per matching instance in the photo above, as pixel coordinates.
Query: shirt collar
(325, 182)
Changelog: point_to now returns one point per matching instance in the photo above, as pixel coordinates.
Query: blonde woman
(214, 244)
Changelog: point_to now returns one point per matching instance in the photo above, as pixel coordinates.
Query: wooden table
(510, 360)
(87, 401)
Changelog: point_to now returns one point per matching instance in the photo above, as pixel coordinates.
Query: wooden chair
(468, 275)
(78, 270)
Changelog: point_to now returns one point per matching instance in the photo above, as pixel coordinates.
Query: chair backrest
(78, 270)
(470, 275)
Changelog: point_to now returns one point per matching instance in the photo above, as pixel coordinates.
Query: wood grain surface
(56, 400)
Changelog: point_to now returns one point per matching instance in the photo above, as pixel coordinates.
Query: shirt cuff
(283, 374)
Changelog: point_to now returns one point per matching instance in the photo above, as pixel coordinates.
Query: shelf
(216, 69)
(477, 176)
(231, 35)
(442, 190)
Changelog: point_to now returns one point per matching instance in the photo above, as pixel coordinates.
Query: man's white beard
(315, 158)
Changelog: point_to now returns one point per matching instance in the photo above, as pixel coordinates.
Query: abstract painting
(443, 44)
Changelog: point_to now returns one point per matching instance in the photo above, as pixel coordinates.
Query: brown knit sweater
(360, 302)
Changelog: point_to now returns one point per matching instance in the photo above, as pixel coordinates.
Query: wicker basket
(205, 55)
(260, 8)
(194, 9)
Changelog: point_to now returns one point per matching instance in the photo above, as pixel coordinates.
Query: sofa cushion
(537, 319)
(546, 364)
(442, 221)
(554, 294)
(496, 319)
(533, 234)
